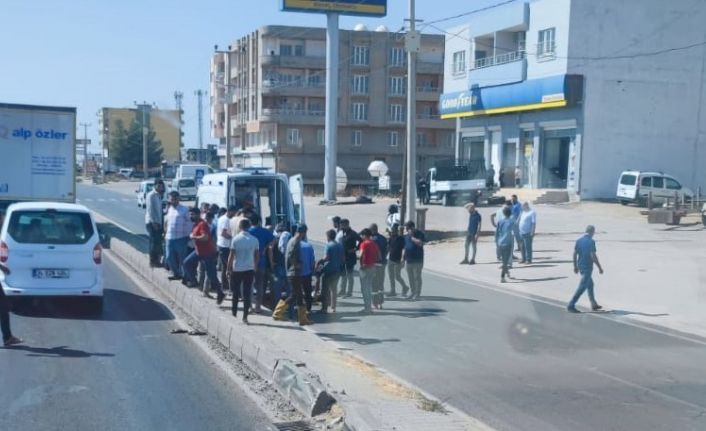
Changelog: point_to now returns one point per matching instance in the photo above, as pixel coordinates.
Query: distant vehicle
(195, 172)
(186, 187)
(137, 174)
(141, 192)
(276, 198)
(52, 249)
(38, 144)
(125, 172)
(636, 186)
(453, 182)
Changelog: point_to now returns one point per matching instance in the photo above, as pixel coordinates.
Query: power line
(464, 14)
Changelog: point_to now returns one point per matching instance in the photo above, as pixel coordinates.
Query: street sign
(384, 182)
(372, 8)
(198, 176)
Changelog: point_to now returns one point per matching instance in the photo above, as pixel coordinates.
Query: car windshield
(186, 183)
(50, 227)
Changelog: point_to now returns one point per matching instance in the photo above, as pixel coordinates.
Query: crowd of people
(277, 265)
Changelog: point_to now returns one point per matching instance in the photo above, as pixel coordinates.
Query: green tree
(126, 146)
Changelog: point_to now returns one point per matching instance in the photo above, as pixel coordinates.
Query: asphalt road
(514, 362)
(121, 371)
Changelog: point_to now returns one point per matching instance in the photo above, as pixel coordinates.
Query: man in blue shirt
(333, 263)
(308, 260)
(413, 259)
(264, 238)
(504, 240)
(472, 233)
(516, 213)
(584, 258)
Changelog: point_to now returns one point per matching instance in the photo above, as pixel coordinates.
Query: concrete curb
(293, 380)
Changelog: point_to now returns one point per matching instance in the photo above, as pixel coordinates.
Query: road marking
(113, 199)
(126, 199)
(111, 221)
(101, 200)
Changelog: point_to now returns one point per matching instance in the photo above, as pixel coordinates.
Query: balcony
(288, 115)
(501, 69)
(305, 62)
(425, 67)
(433, 121)
(299, 87)
(428, 94)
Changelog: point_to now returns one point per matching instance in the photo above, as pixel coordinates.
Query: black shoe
(392, 294)
(472, 262)
(502, 279)
(463, 262)
(220, 298)
(174, 277)
(245, 320)
(596, 307)
(572, 310)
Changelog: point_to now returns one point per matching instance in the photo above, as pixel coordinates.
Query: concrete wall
(641, 111)
(456, 40)
(546, 14)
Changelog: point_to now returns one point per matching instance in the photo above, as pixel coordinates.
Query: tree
(126, 145)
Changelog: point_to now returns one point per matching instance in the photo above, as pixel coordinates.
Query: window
(361, 55)
(627, 180)
(285, 50)
(421, 140)
(55, 227)
(459, 62)
(546, 45)
(320, 138)
(645, 182)
(315, 80)
(357, 138)
(393, 139)
(397, 113)
(672, 184)
(520, 40)
(360, 84)
(398, 85)
(293, 138)
(298, 50)
(657, 182)
(360, 111)
(397, 57)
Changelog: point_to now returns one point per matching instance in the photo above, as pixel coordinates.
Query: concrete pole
(85, 148)
(226, 108)
(411, 186)
(331, 122)
(145, 164)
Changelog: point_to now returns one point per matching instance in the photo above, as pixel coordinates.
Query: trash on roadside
(178, 331)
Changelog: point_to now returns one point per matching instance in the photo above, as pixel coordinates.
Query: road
(120, 371)
(517, 363)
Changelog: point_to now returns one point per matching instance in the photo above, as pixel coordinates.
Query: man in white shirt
(242, 261)
(154, 220)
(225, 238)
(527, 226)
(177, 230)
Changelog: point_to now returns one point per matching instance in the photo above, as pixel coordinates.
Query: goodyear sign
(372, 8)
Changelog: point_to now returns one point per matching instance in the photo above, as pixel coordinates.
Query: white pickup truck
(456, 183)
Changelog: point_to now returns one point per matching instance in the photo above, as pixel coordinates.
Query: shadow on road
(535, 280)
(350, 338)
(57, 352)
(635, 313)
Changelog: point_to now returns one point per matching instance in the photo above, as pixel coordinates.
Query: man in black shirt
(413, 257)
(394, 263)
(349, 240)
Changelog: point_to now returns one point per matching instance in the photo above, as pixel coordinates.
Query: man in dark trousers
(7, 338)
(349, 240)
(394, 264)
(413, 259)
(154, 220)
(205, 252)
(472, 233)
(379, 276)
(296, 273)
(584, 258)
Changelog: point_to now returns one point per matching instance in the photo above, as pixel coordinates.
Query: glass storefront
(556, 151)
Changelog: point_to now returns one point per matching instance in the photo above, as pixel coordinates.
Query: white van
(52, 249)
(635, 186)
(186, 187)
(141, 192)
(276, 198)
(194, 172)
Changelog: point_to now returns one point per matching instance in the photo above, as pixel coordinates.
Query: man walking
(472, 233)
(413, 258)
(584, 258)
(205, 253)
(154, 220)
(178, 228)
(7, 338)
(379, 277)
(518, 177)
(527, 224)
(369, 257)
(394, 263)
(295, 263)
(332, 265)
(225, 238)
(496, 218)
(242, 261)
(264, 238)
(516, 212)
(349, 240)
(504, 240)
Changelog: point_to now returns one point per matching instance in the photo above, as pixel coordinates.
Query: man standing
(516, 212)
(584, 258)
(205, 253)
(413, 258)
(349, 240)
(379, 278)
(7, 338)
(275, 257)
(490, 177)
(225, 238)
(369, 257)
(294, 264)
(472, 233)
(518, 177)
(528, 224)
(178, 229)
(264, 238)
(332, 265)
(308, 260)
(497, 218)
(503, 240)
(242, 261)
(154, 220)
(394, 264)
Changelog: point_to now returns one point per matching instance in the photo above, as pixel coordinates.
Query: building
(575, 91)
(166, 124)
(276, 89)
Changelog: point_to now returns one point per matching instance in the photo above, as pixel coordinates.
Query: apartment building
(274, 80)
(575, 91)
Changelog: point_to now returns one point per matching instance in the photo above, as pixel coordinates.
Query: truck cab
(276, 198)
(454, 182)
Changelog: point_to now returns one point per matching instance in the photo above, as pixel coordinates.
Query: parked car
(141, 192)
(635, 187)
(52, 249)
(125, 172)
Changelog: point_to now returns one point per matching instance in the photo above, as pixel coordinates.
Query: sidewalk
(653, 273)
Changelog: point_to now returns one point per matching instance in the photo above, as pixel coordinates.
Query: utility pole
(85, 147)
(178, 101)
(199, 96)
(412, 45)
(331, 121)
(145, 165)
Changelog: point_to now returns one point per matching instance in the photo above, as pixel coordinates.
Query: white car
(636, 186)
(186, 187)
(51, 249)
(141, 192)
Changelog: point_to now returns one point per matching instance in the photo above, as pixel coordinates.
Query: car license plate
(50, 273)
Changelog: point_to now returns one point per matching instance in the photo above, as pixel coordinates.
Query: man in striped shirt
(177, 227)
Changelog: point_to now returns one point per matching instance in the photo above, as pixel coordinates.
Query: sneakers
(12, 341)
(596, 307)
(220, 298)
(472, 262)
(572, 310)
(463, 262)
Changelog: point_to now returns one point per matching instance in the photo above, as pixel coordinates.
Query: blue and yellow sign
(372, 8)
(551, 92)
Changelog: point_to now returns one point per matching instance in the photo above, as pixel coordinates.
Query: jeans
(470, 242)
(223, 253)
(242, 279)
(176, 253)
(261, 277)
(414, 275)
(516, 234)
(4, 316)
(527, 247)
(329, 282)
(155, 247)
(585, 284)
(379, 284)
(347, 279)
(209, 265)
(506, 257)
(279, 283)
(394, 272)
(366, 286)
(301, 290)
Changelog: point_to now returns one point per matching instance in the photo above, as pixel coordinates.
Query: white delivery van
(186, 187)
(141, 192)
(636, 186)
(194, 172)
(276, 198)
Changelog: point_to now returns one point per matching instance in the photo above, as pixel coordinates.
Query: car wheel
(95, 304)
(623, 202)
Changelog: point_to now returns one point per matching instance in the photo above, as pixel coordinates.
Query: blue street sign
(372, 8)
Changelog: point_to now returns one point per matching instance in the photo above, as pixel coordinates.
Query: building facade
(576, 91)
(166, 124)
(274, 80)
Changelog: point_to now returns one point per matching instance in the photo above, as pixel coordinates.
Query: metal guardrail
(508, 57)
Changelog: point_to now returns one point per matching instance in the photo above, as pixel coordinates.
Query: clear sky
(94, 53)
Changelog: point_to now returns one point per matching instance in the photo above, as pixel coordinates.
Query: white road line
(111, 221)
(100, 200)
(113, 199)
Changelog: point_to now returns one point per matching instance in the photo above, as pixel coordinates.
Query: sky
(94, 54)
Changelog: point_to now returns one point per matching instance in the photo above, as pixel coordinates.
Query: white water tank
(360, 27)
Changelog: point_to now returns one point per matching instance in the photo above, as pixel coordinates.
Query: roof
(45, 205)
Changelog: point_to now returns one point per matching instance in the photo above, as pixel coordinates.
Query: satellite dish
(382, 29)
(378, 168)
(360, 27)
